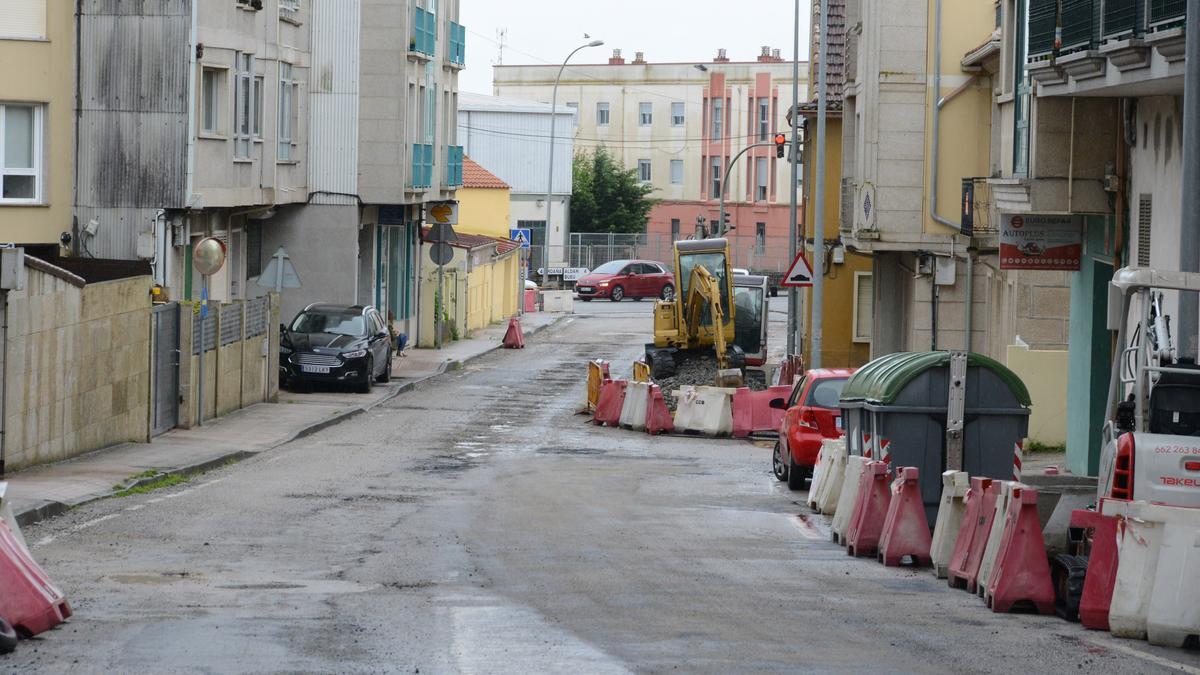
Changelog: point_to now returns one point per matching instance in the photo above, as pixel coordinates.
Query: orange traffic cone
(514, 338)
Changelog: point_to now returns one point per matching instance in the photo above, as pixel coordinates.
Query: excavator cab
(699, 321)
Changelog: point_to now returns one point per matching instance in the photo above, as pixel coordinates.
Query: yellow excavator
(698, 321)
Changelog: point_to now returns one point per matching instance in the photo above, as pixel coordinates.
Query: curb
(45, 510)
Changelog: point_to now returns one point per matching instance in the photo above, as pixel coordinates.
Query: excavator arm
(705, 290)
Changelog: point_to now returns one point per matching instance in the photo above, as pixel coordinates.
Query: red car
(812, 416)
(620, 279)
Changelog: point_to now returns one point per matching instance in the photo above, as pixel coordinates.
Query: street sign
(443, 213)
(441, 253)
(441, 232)
(280, 273)
(209, 256)
(521, 235)
(800, 274)
(1040, 242)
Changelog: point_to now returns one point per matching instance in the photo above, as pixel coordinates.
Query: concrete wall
(322, 242)
(1045, 375)
(483, 211)
(41, 70)
(78, 368)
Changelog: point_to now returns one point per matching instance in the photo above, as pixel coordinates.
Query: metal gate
(164, 367)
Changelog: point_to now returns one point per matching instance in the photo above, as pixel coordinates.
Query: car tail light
(1122, 485)
(808, 420)
(1192, 465)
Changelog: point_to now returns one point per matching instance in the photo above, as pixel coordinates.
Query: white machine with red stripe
(1152, 430)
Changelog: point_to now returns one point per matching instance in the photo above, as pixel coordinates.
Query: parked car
(336, 344)
(620, 279)
(741, 271)
(812, 415)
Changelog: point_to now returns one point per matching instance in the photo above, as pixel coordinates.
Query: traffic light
(780, 144)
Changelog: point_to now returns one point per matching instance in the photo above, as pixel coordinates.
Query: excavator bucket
(730, 377)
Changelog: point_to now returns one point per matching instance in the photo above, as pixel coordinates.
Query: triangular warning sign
(800, 274)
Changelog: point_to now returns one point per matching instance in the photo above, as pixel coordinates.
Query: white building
(511, 138)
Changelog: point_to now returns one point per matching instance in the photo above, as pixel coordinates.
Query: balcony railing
(1085, 24)
(977, 207)
(454, 165)
(424, 37)
(422, 166)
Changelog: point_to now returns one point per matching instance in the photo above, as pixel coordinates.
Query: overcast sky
(545, 31)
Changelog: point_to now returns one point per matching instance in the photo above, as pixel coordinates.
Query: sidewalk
(46, 491)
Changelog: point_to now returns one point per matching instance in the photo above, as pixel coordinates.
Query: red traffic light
(780, 142)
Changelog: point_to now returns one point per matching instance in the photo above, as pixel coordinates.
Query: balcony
(454, 166)
(1107, 47)
(421, 177)
(456, 55)
(423, 43)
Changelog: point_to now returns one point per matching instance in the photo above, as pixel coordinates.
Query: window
(602, 114)
(574, 105)
(21, 152)
(762, 174)
(23, 18)
(287, 112)
(243, 104)
(212, 83)
(256, 131)
(677, 117)
(677, 172)
(760, 237)
(1023, 89)
(645, 114)
(288, 9)
(714, 172)
(253, 248)
(644, 170)
(718, 118)
(674, 229)
(864, 292)
(764, 119)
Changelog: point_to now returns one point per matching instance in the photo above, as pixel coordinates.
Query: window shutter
(23, 18)
(864, 292)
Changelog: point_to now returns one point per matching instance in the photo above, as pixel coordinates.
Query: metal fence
(766, 255)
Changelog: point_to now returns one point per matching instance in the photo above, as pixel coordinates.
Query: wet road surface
(478, 525)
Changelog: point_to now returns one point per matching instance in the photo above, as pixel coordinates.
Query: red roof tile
(475, 176)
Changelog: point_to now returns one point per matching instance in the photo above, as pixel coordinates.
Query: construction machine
(698, 322)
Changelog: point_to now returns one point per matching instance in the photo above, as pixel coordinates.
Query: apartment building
(37, 47)
(679, 125)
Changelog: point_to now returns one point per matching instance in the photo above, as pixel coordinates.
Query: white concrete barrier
(831, 489)
(558, 301)
(704, 410)
(1174, 613)
(1138, 543)
(949, 519)
(6, 514)
(818, 477)
(633, 408)
(996, 534)
(845, 504)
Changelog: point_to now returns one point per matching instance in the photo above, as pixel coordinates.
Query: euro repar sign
(1041, 242)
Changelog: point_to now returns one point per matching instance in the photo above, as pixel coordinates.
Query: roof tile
(475, 176)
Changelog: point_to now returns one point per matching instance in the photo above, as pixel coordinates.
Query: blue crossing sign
(521, 235)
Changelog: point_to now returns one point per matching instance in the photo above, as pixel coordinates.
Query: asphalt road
(478, 525)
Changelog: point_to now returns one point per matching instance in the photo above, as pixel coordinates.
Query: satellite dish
(208, 257)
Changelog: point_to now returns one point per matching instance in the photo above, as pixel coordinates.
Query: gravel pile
(699, 372)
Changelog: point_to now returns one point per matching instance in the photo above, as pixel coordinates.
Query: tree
(607, 197)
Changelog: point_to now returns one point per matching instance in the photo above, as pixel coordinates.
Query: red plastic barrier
(514, 338)
(906, 529)
(1022, 571)
(28, 601)
(530, 300)
(1102, 568)
(608, 408)
(752, 411)
(973, 534)
(866, 521)
(658, 417)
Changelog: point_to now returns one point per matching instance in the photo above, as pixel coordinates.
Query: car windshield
(826, 393)
(337, 323)
(611, 267)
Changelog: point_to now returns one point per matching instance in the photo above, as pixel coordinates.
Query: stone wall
(77, 367)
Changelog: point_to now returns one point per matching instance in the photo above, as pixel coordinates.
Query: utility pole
(818, 287)
(793, 234)
(1189, 240)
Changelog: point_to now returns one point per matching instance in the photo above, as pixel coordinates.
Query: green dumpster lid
(882, 380)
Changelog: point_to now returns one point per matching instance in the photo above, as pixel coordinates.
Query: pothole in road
(393, 498)
(571, 451)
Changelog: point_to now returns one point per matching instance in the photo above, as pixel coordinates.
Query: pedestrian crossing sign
(800, 274)
(521, 235)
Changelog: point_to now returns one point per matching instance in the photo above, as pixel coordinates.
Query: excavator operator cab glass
(748, 302)
(714, 262)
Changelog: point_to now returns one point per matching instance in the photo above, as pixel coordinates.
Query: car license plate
(318, 370)
(586, 289)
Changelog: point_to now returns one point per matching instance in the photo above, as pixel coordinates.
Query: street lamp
(550, 181)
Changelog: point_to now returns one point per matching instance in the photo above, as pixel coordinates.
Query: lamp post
(550, 180)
